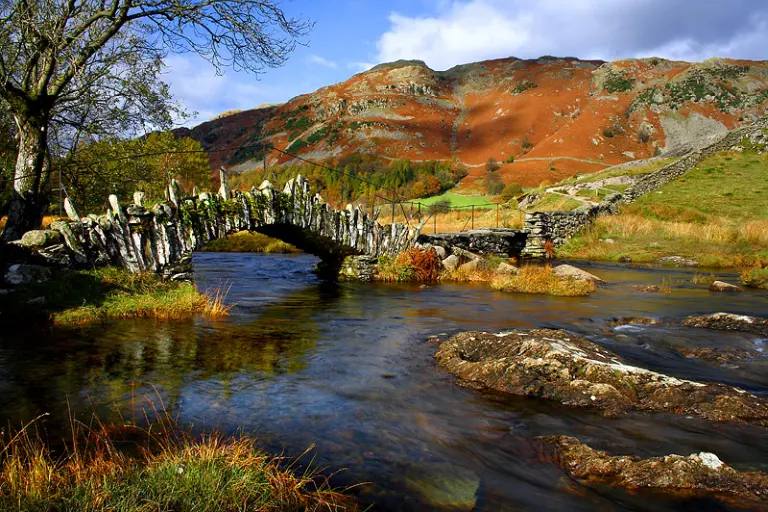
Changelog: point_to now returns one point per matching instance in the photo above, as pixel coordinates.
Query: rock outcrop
(698, 473)
(729, 322)
(559, 366)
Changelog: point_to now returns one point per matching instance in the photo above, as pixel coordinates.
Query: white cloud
(322, 61)
(194, 83)
(359, 67)
(470, 30)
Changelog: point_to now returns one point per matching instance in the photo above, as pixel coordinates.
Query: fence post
(473, 216)
(497, 215)
(419, 213)
(434, 220)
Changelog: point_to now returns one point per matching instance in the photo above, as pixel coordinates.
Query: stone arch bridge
(157, 238)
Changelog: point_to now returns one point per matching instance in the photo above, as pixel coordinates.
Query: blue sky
(350, 36)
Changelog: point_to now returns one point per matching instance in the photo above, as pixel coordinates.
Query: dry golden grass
(464, 275)
(457, 220)
(541, 280)
(718, 242)
(47, 220)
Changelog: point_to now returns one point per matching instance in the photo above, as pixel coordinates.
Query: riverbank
(83, 297)
(167, 469)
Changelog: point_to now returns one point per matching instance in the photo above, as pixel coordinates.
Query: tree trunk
(28, 204)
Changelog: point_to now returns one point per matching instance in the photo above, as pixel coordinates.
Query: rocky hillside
(555, 116)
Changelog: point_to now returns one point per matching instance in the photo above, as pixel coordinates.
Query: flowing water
(347, 367)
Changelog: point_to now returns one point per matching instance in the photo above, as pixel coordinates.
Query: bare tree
(70, 65)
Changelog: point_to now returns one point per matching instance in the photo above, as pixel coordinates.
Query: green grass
(731, 185)
(166, 470)
(555, 202)
(80, 297)
(755, 278)
(458, 200)
(249, 242)
(716, 214)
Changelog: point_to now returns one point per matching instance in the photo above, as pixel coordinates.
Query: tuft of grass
(541, 280)
(82, 297)
(167, 469)
(755, 278)
(245, 241)
(703, 279)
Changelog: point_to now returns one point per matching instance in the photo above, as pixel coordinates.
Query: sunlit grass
(245, 241)
(81, 297)
(167, 469)
(541, 280)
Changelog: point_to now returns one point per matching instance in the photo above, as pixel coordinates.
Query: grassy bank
(716, 214)
(541, 281)
(245, 241)
(81, 297)
(168, 470)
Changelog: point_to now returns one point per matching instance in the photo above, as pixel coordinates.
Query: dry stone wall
(140, 238)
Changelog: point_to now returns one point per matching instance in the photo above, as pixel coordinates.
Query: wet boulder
(729, 322)
(571, 272)
(695, 474)
(557, 365)
(22, 273)
(444, 486)
(722, 286)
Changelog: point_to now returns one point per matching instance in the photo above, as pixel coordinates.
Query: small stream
(347, 367)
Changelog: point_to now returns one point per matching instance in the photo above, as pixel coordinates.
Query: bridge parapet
(153, 238)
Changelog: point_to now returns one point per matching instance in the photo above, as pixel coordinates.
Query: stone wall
(558, 226)
(141, 238)
(501, 242)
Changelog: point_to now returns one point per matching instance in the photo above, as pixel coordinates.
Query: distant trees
(92, 66)
(493, 183)
(115, 166)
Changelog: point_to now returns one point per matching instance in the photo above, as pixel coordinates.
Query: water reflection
(346, 366)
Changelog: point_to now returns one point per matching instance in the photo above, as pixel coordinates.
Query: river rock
(443, 485)
(557, 365)
(477, 264)
(569, 271)
(678, 261)
(41, 238)
(22, 273)
(722, 286)
(698, 473)
(729, 322)
(451, 262)
(506, 269)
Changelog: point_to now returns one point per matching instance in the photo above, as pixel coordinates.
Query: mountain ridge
(554, 116)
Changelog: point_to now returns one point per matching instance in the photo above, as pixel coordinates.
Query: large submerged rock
(696, 473)
(557, 365)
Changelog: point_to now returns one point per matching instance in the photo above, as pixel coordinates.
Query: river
(347, 367)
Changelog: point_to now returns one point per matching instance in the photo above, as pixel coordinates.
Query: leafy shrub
(492, 165)
(413, 265)
(617, 82)
(510, 159)
(511, 190)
